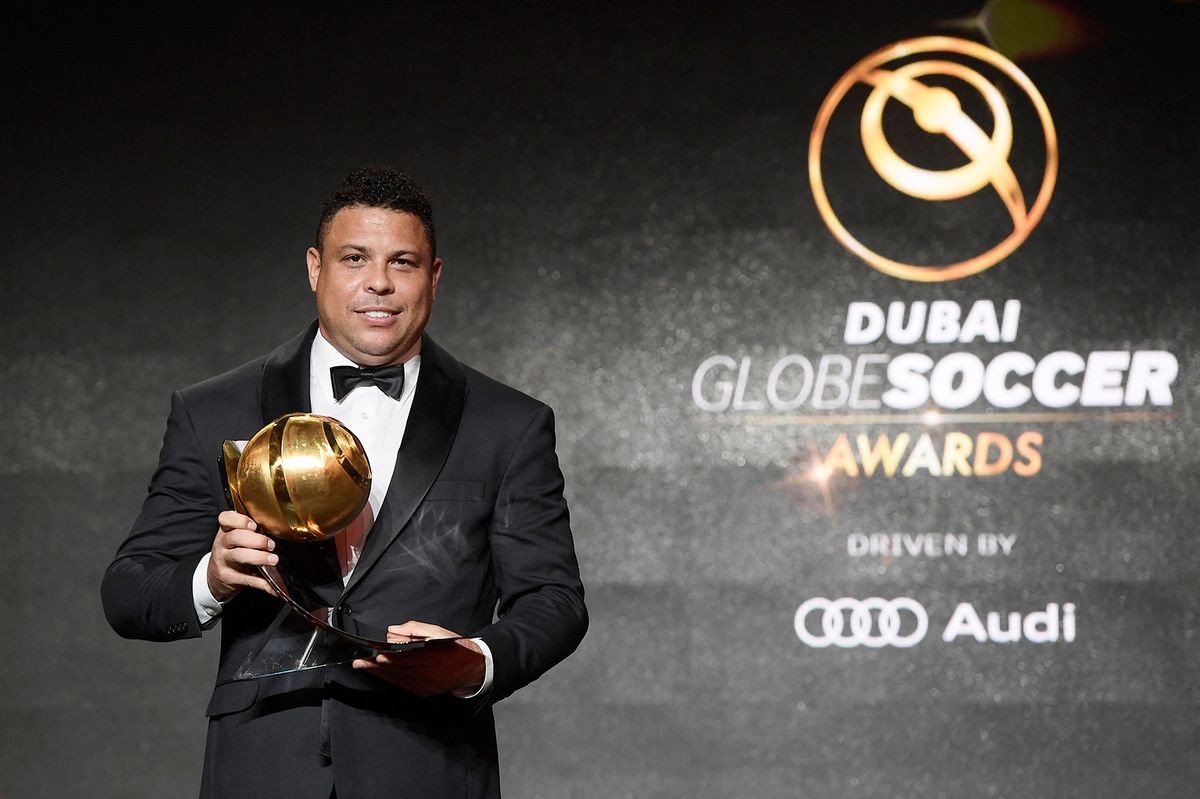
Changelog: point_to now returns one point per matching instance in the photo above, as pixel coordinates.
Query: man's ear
(437, 275)
(314, 267)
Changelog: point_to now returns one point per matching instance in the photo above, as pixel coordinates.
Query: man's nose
(379, 279)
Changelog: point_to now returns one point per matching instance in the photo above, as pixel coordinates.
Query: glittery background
(621, 192)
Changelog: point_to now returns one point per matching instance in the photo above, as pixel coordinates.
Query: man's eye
(354, 259)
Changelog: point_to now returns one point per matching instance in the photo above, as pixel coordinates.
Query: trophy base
(292, 643)
(304, 637)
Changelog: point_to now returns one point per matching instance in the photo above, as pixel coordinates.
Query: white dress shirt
(379, 422)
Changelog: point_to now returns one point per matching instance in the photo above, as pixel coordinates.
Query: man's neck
(350, 358)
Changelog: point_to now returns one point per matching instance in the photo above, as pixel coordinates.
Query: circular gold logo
(937, 109)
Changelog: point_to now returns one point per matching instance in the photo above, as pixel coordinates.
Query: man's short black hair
(379, 187)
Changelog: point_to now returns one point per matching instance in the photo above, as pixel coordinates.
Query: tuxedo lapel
(432, 423)
(285, 389)
(285, 377)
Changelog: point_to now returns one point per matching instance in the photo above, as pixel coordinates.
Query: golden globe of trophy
(302, 477)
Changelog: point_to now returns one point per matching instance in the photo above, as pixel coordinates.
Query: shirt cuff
(208, 607)
(488, 672)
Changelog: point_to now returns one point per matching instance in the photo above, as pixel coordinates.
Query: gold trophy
(302, 478)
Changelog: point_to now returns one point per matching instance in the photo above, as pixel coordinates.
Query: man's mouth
(378, 314)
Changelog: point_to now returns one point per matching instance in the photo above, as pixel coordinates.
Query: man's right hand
(237, 552)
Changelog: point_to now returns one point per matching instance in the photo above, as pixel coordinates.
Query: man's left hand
(456, 668)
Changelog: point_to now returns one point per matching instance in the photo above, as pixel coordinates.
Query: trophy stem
(308, 650)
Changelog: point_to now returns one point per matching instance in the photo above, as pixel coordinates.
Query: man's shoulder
(493, 391)
(501, 409)
(244, 378)
(480, 387)
(239, 378)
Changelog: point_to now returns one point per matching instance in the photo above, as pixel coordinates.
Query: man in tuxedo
(466, 535)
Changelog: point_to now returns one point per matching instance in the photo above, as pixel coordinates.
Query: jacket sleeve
(541, 613)
(147, 589)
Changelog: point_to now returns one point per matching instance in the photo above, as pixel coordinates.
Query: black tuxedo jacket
(474, 536)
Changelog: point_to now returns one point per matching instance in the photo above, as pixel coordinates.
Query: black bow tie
(389, 379)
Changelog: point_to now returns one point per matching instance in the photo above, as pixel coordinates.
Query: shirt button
(365, 415)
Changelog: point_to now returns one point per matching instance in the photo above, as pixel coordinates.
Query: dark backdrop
(621, 192)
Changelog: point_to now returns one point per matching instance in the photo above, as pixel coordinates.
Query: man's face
(375, 280)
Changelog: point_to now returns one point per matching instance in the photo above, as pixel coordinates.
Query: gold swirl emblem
(937, 110)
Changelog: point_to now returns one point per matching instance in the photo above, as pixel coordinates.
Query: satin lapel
(285, 389)
(285, 377)
(432, 423)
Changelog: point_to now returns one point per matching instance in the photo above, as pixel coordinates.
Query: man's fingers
(417, 630)
(394, 672)
(254, 581)
(237, 553)
(415, 674)
(243, 557)
(232, 520)
(262, 585)
(245, 539)
(250, 578)
(380, 661)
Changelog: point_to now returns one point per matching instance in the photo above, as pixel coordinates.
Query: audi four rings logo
(873, 622)
(902, 622)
